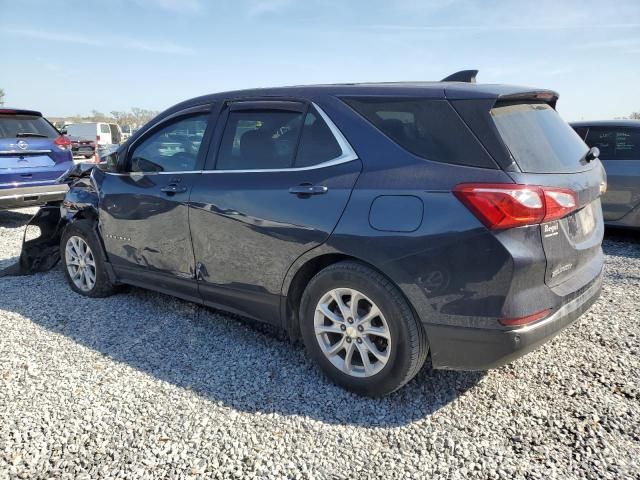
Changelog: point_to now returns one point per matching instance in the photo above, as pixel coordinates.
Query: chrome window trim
(348, 155)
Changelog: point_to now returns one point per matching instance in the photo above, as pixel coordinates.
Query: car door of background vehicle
(144, 212)
(274, 186)
(620, 155)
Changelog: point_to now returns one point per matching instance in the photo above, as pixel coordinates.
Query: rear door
(275, 186)
(548, 152)
(620, 155)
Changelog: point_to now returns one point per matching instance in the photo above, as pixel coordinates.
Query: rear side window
(615, 143)
(538, 139)
(428, 128)
(259, 139)
(317, 144)
(12, 126)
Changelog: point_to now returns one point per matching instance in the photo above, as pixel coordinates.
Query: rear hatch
(27, 142)
(545, 151)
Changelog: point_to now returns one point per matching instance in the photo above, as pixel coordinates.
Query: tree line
(134, 118)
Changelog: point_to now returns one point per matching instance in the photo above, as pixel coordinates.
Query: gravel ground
(141, 385)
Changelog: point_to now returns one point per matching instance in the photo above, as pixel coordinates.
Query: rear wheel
(84, 261)
(360, 330)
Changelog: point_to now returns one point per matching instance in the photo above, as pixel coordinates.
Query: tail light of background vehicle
(63, 142)
(504, 205)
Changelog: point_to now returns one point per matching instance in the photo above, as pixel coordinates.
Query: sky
(70, 57)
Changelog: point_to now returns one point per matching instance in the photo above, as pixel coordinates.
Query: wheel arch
(89, 212)
(294, 288)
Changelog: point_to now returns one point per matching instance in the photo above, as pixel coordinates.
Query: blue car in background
(33, 154)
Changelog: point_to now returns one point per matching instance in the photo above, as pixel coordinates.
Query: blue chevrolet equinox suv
(381, 223)
(33, 154)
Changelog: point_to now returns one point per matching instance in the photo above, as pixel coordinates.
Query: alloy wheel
(352, 332)
(80, 263)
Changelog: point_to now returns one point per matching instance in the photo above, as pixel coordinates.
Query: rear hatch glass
(538, 139)
(25, 142)
(550, 154)
(24, 126)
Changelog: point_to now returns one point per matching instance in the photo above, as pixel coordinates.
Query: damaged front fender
(81, 201)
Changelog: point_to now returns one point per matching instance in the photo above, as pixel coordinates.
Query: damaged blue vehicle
(381, 223)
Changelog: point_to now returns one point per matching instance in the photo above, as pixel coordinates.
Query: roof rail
(468, 76)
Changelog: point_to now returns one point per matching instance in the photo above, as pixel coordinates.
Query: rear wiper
(31, 134)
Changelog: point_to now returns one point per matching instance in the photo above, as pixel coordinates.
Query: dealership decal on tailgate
(550, 229)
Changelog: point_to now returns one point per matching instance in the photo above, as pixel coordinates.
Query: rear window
(428, 128)
(615, 143)
(13, 125)
(538, 139)
(104, 128)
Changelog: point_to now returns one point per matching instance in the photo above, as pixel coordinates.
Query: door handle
(306, 189)
(172, 189)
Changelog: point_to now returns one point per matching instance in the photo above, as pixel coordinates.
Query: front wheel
(84, 261)
(360, 330)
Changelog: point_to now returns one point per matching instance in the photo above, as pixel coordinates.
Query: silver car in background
(619, 144)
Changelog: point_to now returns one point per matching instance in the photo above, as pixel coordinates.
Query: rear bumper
(31, 196)
(462, 348)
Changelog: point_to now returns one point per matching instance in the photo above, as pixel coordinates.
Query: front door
(144, 217)
(274, 187)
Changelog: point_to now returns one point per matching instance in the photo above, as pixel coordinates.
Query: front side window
(615, 143)
(173, 148)
(259, 139)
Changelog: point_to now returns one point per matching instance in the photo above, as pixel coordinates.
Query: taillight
(97, 138)
(504, 205)
(560, 202)
(63, 142)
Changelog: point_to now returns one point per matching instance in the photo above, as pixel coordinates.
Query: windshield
(539, 140)
(11, 126)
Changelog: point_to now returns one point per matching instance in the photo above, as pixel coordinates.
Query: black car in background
(619, 145)
(380, 222)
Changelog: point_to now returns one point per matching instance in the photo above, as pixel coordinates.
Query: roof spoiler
(19, 111)
(468, 76)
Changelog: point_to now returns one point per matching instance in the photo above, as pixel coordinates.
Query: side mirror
(592, 154)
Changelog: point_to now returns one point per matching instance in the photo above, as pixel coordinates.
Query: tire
(71, 252)
(396, 351)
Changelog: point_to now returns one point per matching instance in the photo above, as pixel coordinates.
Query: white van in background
(103, 133)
